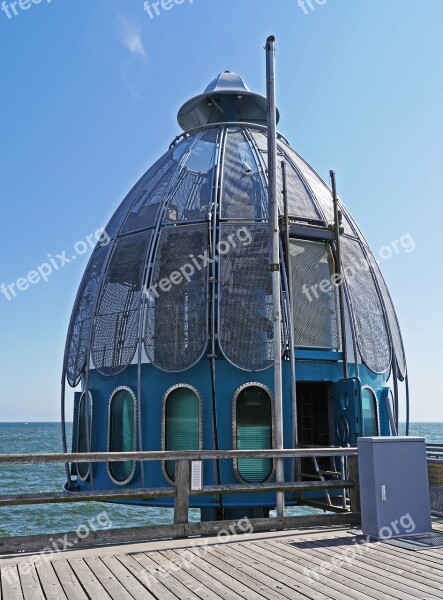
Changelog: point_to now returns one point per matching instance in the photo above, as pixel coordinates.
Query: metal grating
(243, 193)
(176, 327)
(80, 327)
(191, 199)
(435, 470)
(321, 191)
(397, 340)
(245, 299)
(300, 201)
(118, 313)
(372, 336)
(144, 212)
(315, 312)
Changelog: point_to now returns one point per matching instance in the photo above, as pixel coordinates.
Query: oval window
(84, 434)
(122, 434)
(369, 413)
(182, 423)
(253, 431)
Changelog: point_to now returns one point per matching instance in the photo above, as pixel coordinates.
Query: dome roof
(226, 99)
(145, 291)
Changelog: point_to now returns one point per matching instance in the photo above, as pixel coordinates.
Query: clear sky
(90, 92)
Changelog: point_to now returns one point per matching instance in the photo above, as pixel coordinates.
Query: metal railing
(182, 490)
(435, 470)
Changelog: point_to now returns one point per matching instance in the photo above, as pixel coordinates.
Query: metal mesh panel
(118, 313)
(243, 192)
(300, 203)
(176, 327)
(315, 312)
(394, 326)
(321, 191)
(372, 336)
(435, 470)
(191, 198)
(245, 300)
(145, 210)
(78, 335)
(397, 340)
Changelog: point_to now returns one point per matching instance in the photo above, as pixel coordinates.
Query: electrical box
(394, 486)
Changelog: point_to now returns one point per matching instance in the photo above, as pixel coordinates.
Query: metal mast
(275, 261)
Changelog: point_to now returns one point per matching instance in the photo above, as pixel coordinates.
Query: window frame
(377, 410)
(108, 468)
(168, 392)
(234, 427)
(91, 399)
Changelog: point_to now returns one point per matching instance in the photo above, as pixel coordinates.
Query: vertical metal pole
(287, 281)
(275, 262)
(408, 415)
(338, 271)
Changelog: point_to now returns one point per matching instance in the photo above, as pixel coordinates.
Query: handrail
(97, 457)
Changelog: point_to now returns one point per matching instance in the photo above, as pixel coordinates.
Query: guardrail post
(181, 501)
(353, 475)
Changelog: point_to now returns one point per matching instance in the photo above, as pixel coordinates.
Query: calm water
(45, 437)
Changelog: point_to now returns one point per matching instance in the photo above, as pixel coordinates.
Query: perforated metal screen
(372, 336)
(117, 319)
(192, 195)
(245, 299)
(300, 202)
(176, 326)
(144, 211)
(314, 298)
(321, 191)
(80, 328)
(243, 192)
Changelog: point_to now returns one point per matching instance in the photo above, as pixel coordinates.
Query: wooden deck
(311, 563)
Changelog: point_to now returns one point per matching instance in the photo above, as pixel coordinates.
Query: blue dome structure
(171, 333)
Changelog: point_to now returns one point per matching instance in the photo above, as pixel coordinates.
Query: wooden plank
(182, 483)
(379, 578)
(380, 558)
(107, 579)
(334, 582)
(30, 582)
(198, 580)
(286, 569)
(213, 577)
(180, 583)
(346, 575)
(165, 492)
(265, 575)
(93, 457)
(128, 581)
(152, 584)
(157, 532)
(69, 582)
(88, 580)
(51, 586)
(227, 572)
(11, 586)
(95, 496)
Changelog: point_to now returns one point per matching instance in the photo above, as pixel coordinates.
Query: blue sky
(90, 92)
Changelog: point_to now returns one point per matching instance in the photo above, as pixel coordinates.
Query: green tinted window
(84, 436)
(122, 433)
(369, 413)
(182, 423)
(253, 421)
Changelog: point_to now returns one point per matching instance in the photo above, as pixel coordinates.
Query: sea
(24, 438)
